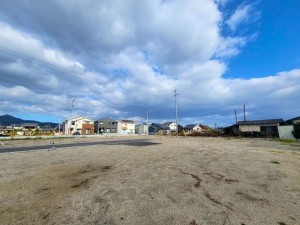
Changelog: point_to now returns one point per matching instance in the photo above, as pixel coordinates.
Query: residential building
(46, 130)
(126, 127)
(157, 128)
(293, 121)
(80, 124)
(192, 128)
(142, 128)
(105, 125)
(171, 125)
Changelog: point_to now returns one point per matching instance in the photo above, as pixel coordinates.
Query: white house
(193, 128)
(126, 127)
(171, 125)
(80, 124)
(142, 128)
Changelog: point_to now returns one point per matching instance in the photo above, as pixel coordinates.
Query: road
(139, 142)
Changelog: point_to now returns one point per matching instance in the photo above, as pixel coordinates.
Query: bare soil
(180, 181)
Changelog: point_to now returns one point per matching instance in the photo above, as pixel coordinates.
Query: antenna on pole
(175, 95)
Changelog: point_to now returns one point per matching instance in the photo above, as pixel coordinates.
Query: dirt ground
(192, 181)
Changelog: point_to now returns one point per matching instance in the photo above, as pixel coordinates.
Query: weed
(275, 162)
(288, 141)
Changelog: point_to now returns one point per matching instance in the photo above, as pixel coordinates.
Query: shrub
(296, 131)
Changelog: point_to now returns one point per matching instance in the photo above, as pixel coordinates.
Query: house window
(73, 122)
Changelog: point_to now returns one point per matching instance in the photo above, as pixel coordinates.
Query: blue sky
(121, 58)
(275, 47)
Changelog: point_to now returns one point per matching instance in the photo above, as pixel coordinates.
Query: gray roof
(46, 129)
(106, 119)
(29, 124)
(167, 123)
(127, 121)
(190, 126)
(160, 126)
(260, 122)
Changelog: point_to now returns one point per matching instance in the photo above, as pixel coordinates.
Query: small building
(258, 125)
(29, 128)
(80, 124)
(105, 125)
(126, 127)
(142, 128)
(171, 125)
(264, 127)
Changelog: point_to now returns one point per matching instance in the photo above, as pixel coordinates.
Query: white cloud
(222, 2)
(243, 13)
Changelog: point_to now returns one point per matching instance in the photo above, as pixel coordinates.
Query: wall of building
(173, 126)
(87, 129)
(249, 128)
(286, 132)
(106, 126)
(126, 128)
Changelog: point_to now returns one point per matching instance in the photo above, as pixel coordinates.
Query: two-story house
(106, 125)
(171, 125)
(126, 127)
(80, 124)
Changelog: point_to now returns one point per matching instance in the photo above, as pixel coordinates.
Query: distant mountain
(7, 120)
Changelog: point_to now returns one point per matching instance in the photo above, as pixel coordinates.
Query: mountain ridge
(7, 120)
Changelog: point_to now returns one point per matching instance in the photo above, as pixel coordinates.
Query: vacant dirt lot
(176, 181)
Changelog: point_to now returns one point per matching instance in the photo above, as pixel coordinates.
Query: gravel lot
(192, 181)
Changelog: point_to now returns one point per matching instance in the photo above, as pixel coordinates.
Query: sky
(123, 59)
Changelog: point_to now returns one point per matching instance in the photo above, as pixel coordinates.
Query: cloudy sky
(122, 58)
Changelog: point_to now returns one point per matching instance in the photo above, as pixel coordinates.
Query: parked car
(76, 133)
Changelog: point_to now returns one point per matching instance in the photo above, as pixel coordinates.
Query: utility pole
(59, 125)
(148, 111)
(235, 117)
(147, 117)
(175, 95)
(72, 107)
(244, 113)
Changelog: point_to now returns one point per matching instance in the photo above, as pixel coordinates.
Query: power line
(33, 88)
(71, 96)
(52, 66)
(57, 69)
(46, 64)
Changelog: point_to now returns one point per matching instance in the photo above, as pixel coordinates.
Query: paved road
(139, 142)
